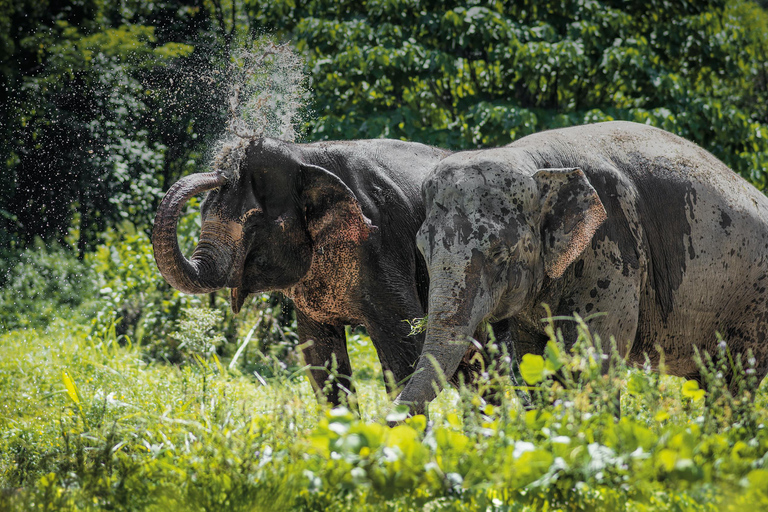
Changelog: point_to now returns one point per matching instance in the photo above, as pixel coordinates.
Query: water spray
(267, 96)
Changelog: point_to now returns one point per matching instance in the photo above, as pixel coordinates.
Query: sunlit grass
(88, 423)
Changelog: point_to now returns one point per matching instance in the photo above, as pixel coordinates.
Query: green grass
(88, 424)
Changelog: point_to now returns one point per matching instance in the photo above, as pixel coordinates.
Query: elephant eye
(503, 253)
(499, 253)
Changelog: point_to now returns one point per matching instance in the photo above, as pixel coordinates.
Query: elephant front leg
(324, 349)
(397, 348)
(485, 368)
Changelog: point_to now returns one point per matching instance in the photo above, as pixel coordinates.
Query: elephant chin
(237, 299)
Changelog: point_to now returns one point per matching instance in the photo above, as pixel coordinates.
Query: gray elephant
(332, 225)
(617, 218)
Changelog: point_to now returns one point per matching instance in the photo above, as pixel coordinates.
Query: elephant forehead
(463, 180)
(477, 205)
(468, 196)
(457, 231)
(502, 193)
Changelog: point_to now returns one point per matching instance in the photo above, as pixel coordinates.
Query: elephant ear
(331, 209)
(571, 212)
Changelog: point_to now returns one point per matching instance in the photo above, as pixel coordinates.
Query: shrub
(43, 284)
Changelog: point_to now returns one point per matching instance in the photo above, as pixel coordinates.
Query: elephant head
(263, 208)
(493, 233)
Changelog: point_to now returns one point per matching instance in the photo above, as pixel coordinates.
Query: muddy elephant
(331, 225)
(617, 218)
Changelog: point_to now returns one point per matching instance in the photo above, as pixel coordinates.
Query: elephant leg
(505, 331)
(397, 349)
(324, 349)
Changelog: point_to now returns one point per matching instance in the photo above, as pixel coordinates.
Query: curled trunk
(211, 262)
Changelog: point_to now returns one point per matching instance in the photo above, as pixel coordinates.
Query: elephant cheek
(462, 302)
(221, 246)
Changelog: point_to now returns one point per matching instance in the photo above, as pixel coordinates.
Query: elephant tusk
(237, 299)
(233, 300)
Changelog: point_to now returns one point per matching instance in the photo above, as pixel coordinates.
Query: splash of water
(267, 98)
(267, 92)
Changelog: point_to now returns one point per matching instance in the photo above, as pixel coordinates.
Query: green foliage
(486, 73)
(133, 435)
(107, 105)
(87, 129)
(197, 334)
(131, 288)
(41, 284)
(82, 143)
(272, 322)
(88, 425)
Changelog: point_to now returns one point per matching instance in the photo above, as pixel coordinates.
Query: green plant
(43, 284)
(88, 424)
(197, 334)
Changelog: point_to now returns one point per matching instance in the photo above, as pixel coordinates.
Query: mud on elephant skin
(331, 225)
(617, 218)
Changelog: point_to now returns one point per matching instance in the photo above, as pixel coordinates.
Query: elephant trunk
(450, 325)
(211, 262)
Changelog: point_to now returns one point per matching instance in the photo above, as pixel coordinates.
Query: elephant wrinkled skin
(332, 225)
(617, 218)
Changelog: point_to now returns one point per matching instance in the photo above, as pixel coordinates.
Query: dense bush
(43, 284)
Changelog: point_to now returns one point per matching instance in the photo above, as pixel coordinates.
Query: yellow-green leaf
(71, 388)
(532, 368)
(554, 359)
(692, 391)
(418, 422)
(666, 459)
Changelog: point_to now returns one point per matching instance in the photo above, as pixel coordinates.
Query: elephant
(657, 235)
(331, 225)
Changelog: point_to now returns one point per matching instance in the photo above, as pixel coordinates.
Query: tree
(101, 113)
(106, 104)
(478, 74)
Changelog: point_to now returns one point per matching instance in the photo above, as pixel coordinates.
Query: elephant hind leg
(739, 371)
